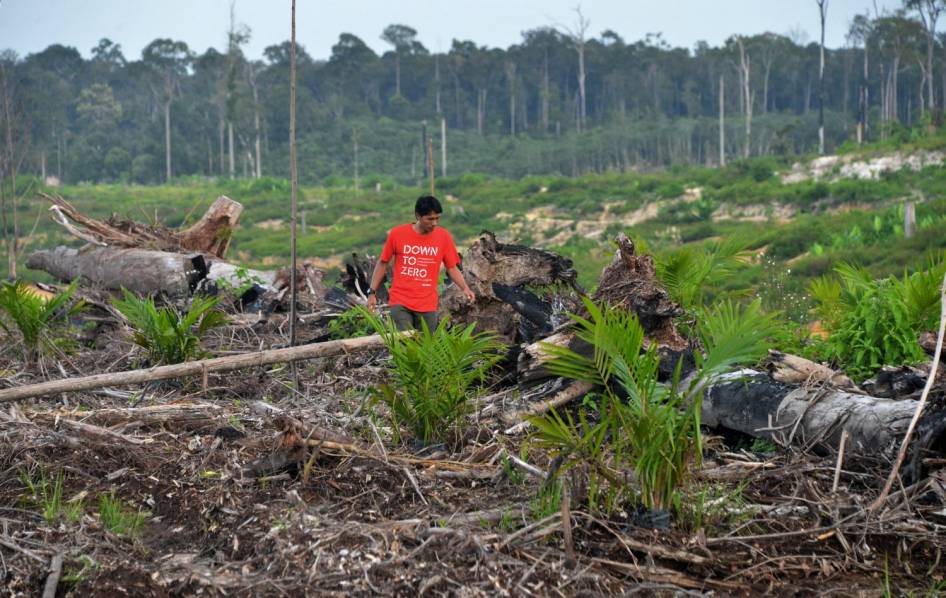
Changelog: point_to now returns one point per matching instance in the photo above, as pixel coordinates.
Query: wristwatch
(369, 292)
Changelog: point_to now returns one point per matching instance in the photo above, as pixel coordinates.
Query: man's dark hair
(426, 205)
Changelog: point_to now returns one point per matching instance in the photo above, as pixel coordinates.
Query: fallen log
(814, 418)
(180, 414)
(193, 368)
(144, 271)
(141, 271)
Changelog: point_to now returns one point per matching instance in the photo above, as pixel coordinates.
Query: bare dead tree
(722, 120)
(577, 33)
(745, 65)
(16, 141)
(860, 32)
(257, 119)
(823, 14)
(929, 11)
(511, 84)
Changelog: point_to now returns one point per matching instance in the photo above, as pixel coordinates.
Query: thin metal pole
(294, 175)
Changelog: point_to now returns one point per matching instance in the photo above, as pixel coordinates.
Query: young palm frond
(168, 336)
(650, 426)
(687, 272)
(921, 292)
(34, 316)
(733, 334)
(435, 373)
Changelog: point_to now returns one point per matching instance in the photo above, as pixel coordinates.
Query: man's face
(427, 223)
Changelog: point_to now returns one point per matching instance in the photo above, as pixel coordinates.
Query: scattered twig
(52, 581)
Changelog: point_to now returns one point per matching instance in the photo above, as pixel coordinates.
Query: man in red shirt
(418, 249)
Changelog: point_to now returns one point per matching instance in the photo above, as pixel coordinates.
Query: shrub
(872, 323)
(434, 376)
(167, 335)
(35, 317)
(349, 324)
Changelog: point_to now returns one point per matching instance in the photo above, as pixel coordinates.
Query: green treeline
(556, 103)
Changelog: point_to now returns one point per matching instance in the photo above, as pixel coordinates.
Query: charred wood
(814, 418)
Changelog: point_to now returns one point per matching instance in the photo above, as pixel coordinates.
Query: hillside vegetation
(797, 230)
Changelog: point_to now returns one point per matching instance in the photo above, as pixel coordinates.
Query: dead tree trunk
(629, 282)
(497, 274)
(193, 368)
(814, 418)
(140, 271)
(210, 235)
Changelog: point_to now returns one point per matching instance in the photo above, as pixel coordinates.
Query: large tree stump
(629, 282)
(488, 263)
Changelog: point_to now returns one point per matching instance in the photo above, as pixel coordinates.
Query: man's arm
(457, 277)
(377, 276)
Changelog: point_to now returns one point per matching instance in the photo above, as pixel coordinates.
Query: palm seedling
(686, 272)
(168, 335)
(642, 424)
(35, 317)
(435, 374)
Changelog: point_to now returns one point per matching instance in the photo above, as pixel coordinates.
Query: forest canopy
(559, 102)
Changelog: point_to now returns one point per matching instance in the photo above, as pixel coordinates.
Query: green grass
(118, 518)
(47, 494)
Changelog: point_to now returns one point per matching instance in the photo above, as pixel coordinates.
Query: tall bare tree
(511, 85)
(15, 143)
(823, 15)
(577, 33)
(251, 74)
(745, 67)
(859, 32)
(237, 35)
(929, 11)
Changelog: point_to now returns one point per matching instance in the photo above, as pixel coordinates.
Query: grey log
(140, 271)
(814, 418)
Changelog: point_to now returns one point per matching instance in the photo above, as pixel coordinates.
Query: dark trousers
(406, 319)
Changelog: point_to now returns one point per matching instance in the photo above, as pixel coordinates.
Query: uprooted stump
(630, 282)
(210, 235)
(492, 269)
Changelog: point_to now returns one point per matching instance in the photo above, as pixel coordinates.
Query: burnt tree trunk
(814, 418)
(628, 282)
(494, 270)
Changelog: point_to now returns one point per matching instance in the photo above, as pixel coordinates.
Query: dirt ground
(228, 510)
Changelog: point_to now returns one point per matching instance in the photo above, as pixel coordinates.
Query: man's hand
(372, 302)
(470, 297)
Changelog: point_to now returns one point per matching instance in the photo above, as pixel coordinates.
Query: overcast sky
(28, 26)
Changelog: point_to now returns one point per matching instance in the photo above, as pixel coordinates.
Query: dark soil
(332, 523)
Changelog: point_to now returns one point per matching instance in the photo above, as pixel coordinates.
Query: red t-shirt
(417, 260)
